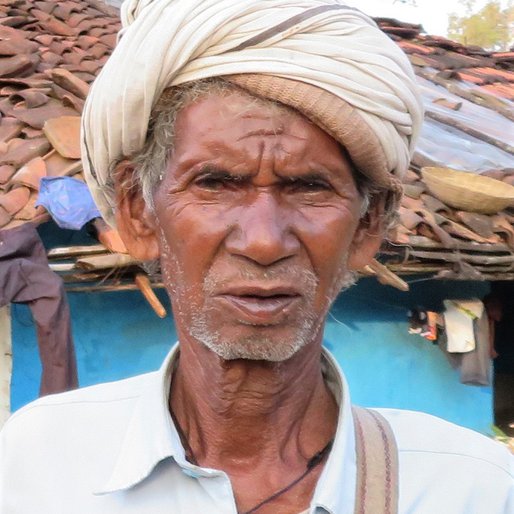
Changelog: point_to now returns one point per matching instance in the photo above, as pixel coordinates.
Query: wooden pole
(386, 276)
(143, 282)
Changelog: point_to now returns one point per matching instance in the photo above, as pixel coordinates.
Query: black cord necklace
(312, 463)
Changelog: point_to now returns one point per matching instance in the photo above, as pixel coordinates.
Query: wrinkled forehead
(241, 115)
(237, 128)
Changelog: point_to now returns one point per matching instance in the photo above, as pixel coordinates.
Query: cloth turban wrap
(325, 59)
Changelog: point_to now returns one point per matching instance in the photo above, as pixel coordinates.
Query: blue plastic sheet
(68, 201)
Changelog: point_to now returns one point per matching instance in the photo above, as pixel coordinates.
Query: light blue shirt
(113, 448)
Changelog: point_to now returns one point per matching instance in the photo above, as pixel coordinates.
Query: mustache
(303, 279)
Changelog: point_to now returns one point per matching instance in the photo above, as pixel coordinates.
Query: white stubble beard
(255, 346)
(267, 348)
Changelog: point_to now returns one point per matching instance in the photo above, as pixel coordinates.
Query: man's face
(256, 215)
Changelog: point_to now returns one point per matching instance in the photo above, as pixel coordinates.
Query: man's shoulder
(65, 406)
(428, 436)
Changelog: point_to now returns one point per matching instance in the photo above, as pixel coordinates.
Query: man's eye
(209, 183)
(213, 183)
(309, 186)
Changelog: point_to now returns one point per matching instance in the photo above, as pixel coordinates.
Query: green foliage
(491, 27)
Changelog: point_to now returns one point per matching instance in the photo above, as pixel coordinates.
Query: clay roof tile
(6, 172)
(8, 90)
(72, 101)
(468, 76)
(36, 117)
(109, 40)
(46, 7)
(29, 210)
(57, 46)
(16, 21)
(9, 129)
(29, 97)
(412, 48)
(5, 217)
(40, 15)
(50, 60)
(15, 46)
(87, 42)
(64, 135)
(55, 26)
(59, 166)
(72, 58)
(15, 199)
(76, 19)
(18, 65)
(502, 90)
(505, 75)
(96, 31)
(70, 82)
(31, 133)
(64, 10)
(99, 50)
(30, 174)
(44, 39)
(89, 66)
(25, 151)
(84, 76)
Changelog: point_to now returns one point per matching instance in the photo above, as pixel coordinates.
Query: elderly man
(254, 147)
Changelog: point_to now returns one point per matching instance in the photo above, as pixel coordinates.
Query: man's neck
(240, 414)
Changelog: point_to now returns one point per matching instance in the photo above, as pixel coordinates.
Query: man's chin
(255, 349)
(276, 343)
(271, 344)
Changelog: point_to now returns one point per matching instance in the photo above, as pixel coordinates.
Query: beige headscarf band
(328, 60)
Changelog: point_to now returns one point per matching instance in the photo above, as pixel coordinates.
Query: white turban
(308, 53)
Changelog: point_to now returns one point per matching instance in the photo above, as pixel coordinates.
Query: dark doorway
(503, 293)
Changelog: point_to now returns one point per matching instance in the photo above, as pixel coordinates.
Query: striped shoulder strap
(377, 464)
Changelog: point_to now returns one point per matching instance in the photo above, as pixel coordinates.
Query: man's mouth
(260, 305)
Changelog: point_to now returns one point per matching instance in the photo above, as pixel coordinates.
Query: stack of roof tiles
(50, 52)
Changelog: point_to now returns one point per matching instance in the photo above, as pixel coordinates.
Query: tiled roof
(51, 51)
(49, 54)
(469, 100)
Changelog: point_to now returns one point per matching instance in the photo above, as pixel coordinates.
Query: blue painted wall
(118, 335)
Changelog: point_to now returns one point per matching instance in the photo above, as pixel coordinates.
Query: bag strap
(377, 464)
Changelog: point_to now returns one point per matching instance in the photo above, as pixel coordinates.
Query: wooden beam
(61, 267)
(421, 268)
(107, 261)
(65, 252)
(425, 242)
(458, 257)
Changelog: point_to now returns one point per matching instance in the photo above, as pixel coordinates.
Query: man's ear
(135, 223)
(369, 235)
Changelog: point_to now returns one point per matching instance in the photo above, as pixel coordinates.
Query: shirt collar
(139, 453)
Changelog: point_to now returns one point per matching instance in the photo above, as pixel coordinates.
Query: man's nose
(263, 232)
